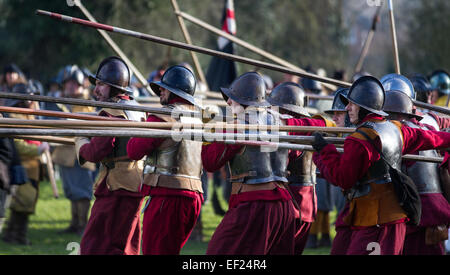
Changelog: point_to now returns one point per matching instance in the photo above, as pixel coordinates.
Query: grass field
(53, 215)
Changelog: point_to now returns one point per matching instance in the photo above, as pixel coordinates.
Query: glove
(319, 142)
(43, 147)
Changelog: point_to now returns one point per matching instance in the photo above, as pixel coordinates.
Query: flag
(221, 72)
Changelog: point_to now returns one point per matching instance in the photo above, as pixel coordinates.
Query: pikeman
(174, 181)
(257, 175)
(27, 175)
(77, 179)
(424, 91)
(423, 239)
(374, 214)
(289, 97)
(114, 224)
(343, 232)
(440, 81)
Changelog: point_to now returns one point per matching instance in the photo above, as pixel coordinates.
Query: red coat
(345, 169)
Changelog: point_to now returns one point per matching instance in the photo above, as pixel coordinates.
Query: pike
(185, 46)
(394, 37)
(369, 38)
(172, 125)
(229, 138)
(29, 111)
(188, 40)
(242, 43)
(207, 51)
(153, 133)
(116, 48)
(100, 104)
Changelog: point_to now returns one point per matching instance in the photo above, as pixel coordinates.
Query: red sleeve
(215, 155)
(443, 122)
(304, 122)
(99, 147)
(345, 169)
(420, 140)
(137, 147)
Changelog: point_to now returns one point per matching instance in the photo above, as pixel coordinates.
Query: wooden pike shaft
(394, 37)
(244, 44)
(153, 133)
(28, 111)
(116, 49)
(188, 40)
(173, 125)
(93, 103)
(194, 48)
(60, 140)
(294, 141)
(368, 41)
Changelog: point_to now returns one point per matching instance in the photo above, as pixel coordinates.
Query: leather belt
(238, 187)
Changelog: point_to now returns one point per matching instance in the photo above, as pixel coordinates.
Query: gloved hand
(319, 142)
(43, 147)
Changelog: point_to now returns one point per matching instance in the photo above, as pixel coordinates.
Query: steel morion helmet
(178, 80)
(440, 80)
(368, 93)
(422, 87)
(249, 89)
(398, 102)
(396, 82)
(114, 72)
(72, 72)
(289, 96)
(338, 105)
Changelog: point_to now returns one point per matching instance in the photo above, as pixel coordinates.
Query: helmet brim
(93, 79)
(226, 93)
(292, 108)
(346, 100)
(158, 84)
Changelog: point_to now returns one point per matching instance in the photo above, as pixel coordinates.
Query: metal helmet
(338, 105)
(114, 72)
(19, 88)
(422, 87)
(178, 80)
(368, 93)
(312, 85)
(398, 102)
(12, 68)
(359, 74)
(396, 82)
(248, 89)
(73, 72)
(289, 96)
(440, 80)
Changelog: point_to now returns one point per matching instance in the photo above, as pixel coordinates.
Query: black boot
(10, 233)
(197, 234)
(22, 232)
(83, 206)
(73, 227)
